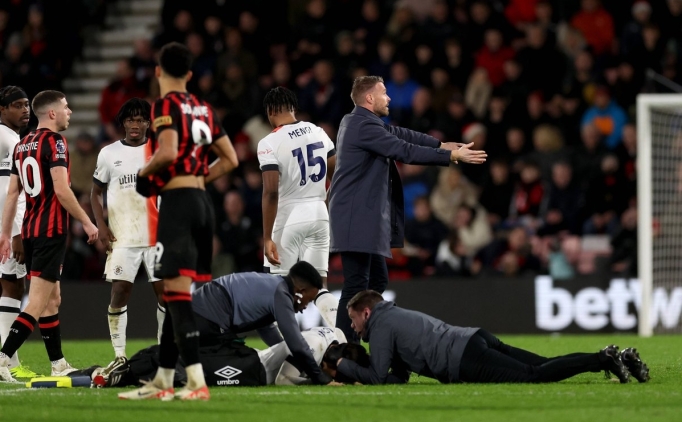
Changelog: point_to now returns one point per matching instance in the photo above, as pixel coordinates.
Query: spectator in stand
(588, 155)
(528, 196)
(511, 256)
(401, 89)
(496, 193)
(457, 64)
(123, 87)
(478, 92)
(416, 183)
(203, 61)
(441, 89)
(451, 258)
(564, 202)
(543, 65)
(651, 53)
(521, 13)
(452, 191)
(381, 65)
(423, 234)
(438, 25)
(83, 162)
(176, 32)
(627, 157)
(624, 243)
(422, 118)
(607, 116)
(596, 25)
(605, 198)
(143, 63)
(242, 97)
(321, 97)
(516, 148)
(456, 116)
(632, 40)
(493, 55)
(236, 53)
(473, 229)
(548, 145)
(240, 235)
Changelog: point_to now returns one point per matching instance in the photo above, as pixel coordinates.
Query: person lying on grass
(402, 341)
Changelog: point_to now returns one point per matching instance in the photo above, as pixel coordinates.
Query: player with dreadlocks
(15, 112)
(296, 159)
(130, 236)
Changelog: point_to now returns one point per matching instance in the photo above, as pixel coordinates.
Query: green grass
(588, 397)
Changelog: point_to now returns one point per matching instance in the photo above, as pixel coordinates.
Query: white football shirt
(8, 140)
(132, 217)
(299, 151)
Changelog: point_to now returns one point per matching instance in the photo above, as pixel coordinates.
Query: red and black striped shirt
(34, 156)
(197, 126)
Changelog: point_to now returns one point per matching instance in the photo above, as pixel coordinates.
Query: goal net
(659, 206)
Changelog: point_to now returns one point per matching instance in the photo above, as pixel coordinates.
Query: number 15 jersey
(197, 126)
(34, 156)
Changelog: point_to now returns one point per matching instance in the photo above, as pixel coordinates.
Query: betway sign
(593, 308)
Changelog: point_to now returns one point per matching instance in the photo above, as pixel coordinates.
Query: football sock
(168, 350)
(160, 315)
(52, 336)
(9, 309)
(328, 305)
(164, 377)
(195, 376)
(118, 321)
(22, 327)
(179, 305)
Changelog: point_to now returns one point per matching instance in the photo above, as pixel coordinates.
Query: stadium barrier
(521, 305)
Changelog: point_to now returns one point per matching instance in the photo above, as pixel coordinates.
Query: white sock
(164, 378)
(160, 316)
(328, 305)
(118, 321)
(9, 309)
(195, 376)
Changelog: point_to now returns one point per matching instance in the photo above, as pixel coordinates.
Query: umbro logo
(228, 372)
(118, 163)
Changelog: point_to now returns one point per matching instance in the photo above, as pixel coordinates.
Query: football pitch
(588, 397)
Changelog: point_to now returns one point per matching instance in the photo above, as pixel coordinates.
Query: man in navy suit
(366, 209)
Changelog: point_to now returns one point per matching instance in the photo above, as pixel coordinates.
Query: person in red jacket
(596, 25)
(492, 56)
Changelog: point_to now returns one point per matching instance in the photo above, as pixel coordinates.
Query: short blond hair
(361, 85)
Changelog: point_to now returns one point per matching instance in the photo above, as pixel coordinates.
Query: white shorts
(307, 241)
(10, 270)
(124, 263)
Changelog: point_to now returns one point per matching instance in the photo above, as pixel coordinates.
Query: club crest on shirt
(60, 146)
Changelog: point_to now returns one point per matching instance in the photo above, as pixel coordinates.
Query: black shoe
(637, 368)
(613, 364)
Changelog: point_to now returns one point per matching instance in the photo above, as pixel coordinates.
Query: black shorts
(44, 257)
(185, 235)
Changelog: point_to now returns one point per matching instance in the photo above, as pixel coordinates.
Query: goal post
(659, 184)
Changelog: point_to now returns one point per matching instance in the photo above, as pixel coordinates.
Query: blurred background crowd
(546, 87)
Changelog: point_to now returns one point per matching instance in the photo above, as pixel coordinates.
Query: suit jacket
(366, 209)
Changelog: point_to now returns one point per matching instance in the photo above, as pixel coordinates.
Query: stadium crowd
(546, 87)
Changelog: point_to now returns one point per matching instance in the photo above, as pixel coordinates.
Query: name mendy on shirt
(300, 132)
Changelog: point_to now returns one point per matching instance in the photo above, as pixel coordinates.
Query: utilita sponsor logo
(228, 372)
(593, 308)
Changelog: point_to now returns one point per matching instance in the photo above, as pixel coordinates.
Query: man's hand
(271, 252)
(90, 230)
(5, 249)
(18, 249)
(467, 155)
(106, 236)
(336, 384)
(451, 146)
